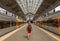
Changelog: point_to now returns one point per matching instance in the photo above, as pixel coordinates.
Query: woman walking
(29, 30)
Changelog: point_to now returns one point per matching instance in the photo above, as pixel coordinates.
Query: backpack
(29, 27)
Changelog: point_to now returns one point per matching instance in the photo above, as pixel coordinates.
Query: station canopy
(24, 8)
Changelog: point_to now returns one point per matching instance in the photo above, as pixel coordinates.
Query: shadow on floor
(26, 37)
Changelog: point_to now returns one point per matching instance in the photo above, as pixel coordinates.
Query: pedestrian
(29, 30)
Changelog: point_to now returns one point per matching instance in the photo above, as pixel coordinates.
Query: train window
(57, 8)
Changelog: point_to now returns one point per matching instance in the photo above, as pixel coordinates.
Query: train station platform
(8, 29)
(43, 15)
(38, 34)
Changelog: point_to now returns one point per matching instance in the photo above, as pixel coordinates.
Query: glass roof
(29, 5)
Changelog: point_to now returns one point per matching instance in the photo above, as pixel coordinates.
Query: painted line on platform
(50, 34)
(11, 33)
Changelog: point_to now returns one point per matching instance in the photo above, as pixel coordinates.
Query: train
(8, 21)
(50, 23)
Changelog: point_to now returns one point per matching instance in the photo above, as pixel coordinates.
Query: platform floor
(37, 35)
(8, 29)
